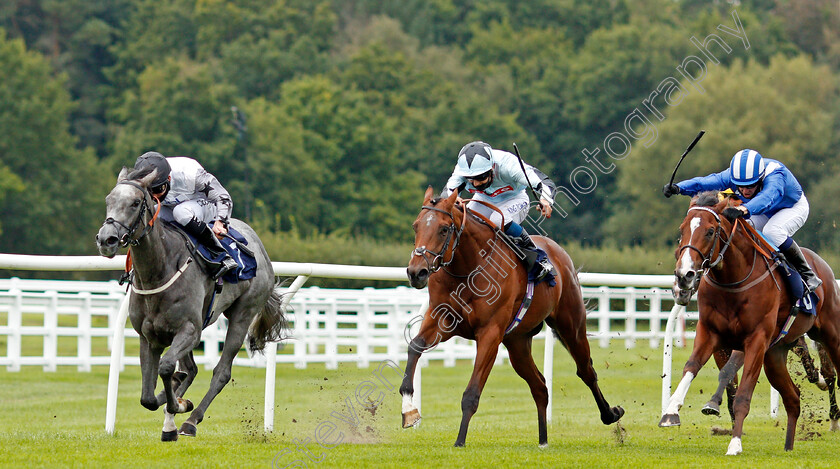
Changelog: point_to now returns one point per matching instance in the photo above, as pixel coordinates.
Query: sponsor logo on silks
(517, 208)
(494, 194)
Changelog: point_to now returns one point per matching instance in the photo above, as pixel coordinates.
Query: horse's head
(436, 236)
(701, 244)
(125, 208)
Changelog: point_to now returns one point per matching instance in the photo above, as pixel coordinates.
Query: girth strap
(523, 308)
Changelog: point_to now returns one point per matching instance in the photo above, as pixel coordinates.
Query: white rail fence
(79, 323)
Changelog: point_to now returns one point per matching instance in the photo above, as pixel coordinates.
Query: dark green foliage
(353, 107)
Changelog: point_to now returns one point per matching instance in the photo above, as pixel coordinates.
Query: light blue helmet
(474, 159)
(747, 168)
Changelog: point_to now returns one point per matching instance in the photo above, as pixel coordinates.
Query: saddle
(236, 246)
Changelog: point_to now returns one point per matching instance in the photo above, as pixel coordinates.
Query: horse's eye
(444, 230)
(136, 203)
(710, 232)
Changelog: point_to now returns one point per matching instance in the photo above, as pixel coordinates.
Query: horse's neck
(151, 257)
(479, 246)
(738, 261)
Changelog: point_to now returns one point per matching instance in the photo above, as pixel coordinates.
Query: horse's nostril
(689, 275)
(111, 241)
(423, 274)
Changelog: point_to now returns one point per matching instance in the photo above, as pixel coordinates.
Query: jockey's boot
(795, 257)
(529, 250)
(205, 236)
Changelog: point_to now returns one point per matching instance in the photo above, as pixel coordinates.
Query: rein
(708, 264)
(438, 256)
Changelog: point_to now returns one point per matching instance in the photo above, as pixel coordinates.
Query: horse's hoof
(670, 420)
(614, 416)
(711, 409)
(411, 418)
(169, 436)
(821, 384)
(835, 425)
(544, 445)
(459, 444)
(187, 429)
(185, 405)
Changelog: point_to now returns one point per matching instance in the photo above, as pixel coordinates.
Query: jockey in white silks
(496, 177)
(773, 201)
(195, 197)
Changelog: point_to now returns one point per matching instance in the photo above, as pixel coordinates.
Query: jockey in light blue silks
(495, 177)
(195, 197)
(773, 202)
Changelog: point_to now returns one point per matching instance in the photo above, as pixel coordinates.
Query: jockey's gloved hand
(731, 213)
(670, 189)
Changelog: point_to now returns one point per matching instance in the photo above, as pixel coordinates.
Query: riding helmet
(474, 159)
(157, 161)
(747, 168)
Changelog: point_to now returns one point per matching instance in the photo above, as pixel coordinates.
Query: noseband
(437, 260)
(128, 237)
(707, 258)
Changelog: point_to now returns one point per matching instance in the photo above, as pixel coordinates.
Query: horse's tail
(270, 325)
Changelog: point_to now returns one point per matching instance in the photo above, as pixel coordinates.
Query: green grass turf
(57, 420)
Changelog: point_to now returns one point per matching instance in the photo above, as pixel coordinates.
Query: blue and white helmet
(474, 159)
(747, 168)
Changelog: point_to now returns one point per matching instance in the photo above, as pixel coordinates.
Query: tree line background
(352, 107)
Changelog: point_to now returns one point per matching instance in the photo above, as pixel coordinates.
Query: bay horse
(744, 306)
(476, 283)
(169, 298)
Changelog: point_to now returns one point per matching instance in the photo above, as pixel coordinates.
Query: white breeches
(784, 223)
(515, 209)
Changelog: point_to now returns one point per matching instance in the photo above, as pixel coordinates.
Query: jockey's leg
(523, 241)
(794, 255)
(779, 229)
(205, 236)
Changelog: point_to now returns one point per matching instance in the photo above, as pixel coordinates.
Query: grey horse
(170, 294)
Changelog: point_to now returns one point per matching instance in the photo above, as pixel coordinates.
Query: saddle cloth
(247, 264)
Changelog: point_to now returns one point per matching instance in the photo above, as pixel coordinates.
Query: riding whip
(696, 139)
(522, 165)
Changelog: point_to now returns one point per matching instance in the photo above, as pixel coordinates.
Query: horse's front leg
(487, 346)
(183, 342)
(753, 358)
(149, 362)
(429, 337)
(704, 344)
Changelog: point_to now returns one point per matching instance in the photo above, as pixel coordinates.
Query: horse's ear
(450, 201)
(123, 174)
(428, 196)
(147, 180)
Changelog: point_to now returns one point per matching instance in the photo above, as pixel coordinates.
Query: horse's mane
(706, 199)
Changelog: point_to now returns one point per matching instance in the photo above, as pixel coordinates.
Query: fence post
(51, 331)
(83, 343)
(666, 355)
(548, 368)
(271, 359)
(655, 316)
(15, 321)
(117, 348)
(604, 316)
(630, 315)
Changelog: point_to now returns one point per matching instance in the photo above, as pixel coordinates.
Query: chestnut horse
(476, 285)
(744, 306)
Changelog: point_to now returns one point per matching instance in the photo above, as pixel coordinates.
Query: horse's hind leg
(829, 374)
(519, 351)
(237, 329)
(800, 348)
(775, 368)
(731, 362)
(573, 337)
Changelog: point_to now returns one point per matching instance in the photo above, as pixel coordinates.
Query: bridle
(437, 261)
(128, 238)
(707, 258)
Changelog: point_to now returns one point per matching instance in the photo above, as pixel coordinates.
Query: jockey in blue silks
(773, 201)
(495, 176)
